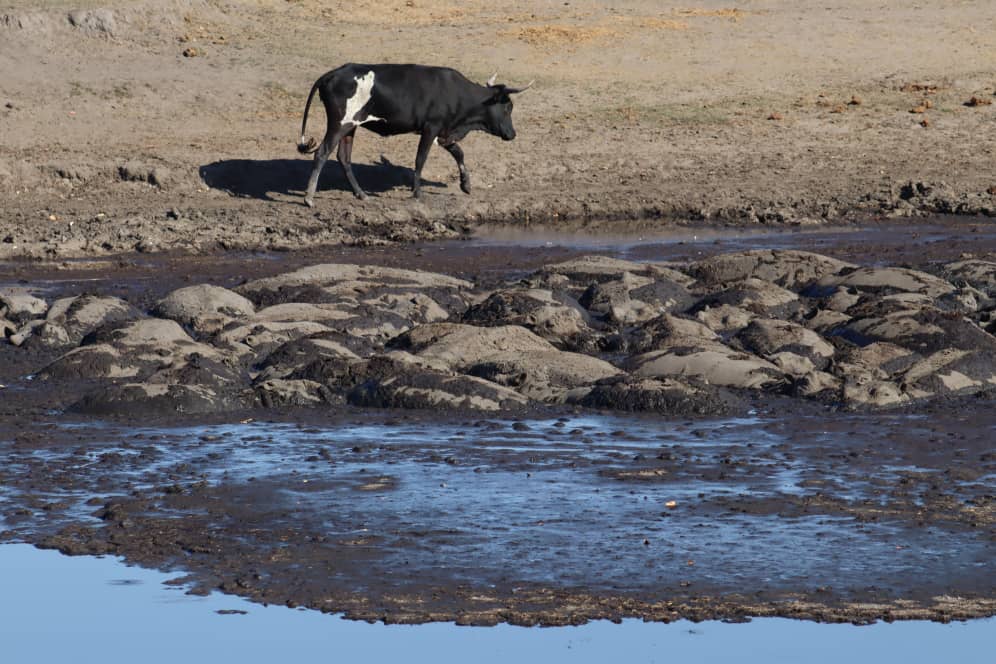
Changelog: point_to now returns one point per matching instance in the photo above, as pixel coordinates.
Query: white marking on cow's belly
(355, 104)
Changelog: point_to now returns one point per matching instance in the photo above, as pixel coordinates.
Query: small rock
(978, 101)
(840, 108)
(191, 52)
(776, 116)
(925, 122)
(136, 171)
(919, 109)
(855, 101)
(94, 22)
(159, 176)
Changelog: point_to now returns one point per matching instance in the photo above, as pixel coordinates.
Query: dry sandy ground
(644, 114)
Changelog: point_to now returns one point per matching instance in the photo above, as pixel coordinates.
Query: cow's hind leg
(457, 153)
(334, 134)
(345, 159)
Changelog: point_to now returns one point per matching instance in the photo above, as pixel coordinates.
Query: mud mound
(638, 338)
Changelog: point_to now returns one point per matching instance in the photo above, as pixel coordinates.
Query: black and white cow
(438, 103)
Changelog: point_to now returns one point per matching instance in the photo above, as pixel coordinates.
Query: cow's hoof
(309, 201)
(465, 185)
(362, 195)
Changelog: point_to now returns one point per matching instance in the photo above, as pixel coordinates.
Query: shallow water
(871, 242)
(605, 503)
(54, 608)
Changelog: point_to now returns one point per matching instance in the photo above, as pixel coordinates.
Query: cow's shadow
(261, 178)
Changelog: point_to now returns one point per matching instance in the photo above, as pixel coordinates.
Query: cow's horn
(513, 91)
(491, 81)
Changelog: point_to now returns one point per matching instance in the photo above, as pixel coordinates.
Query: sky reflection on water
(55, 608)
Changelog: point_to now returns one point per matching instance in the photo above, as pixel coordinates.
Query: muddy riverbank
(692, 326)
(346, 432)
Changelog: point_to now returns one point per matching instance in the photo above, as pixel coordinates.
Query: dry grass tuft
(661, 24)
(925, 88)
(552, 35)
(734, 14)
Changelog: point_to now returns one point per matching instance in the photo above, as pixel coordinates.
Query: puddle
(605, 503)
(56, 608)
(869, 241)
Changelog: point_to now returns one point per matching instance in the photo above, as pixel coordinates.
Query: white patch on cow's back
(355, 104)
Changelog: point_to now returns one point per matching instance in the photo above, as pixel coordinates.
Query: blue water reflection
(59, 609)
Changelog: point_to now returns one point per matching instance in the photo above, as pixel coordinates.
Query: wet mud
(551, 521)
(578, 496)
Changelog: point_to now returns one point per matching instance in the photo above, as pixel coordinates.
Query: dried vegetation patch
(653, 22)
(558, 35)
(732, 13)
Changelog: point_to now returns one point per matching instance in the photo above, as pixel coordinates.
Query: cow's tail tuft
(306, 144)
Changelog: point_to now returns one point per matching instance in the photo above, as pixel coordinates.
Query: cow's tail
(308, 144)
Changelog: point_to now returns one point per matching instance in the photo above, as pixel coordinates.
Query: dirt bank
(223, 407)
(177, 129)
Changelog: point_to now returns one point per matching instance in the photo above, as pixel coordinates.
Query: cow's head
(498, 109)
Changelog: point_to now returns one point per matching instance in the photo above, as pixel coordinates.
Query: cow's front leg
(424, 143)
(457, 153)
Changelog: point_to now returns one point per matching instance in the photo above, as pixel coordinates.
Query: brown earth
(171, 126)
